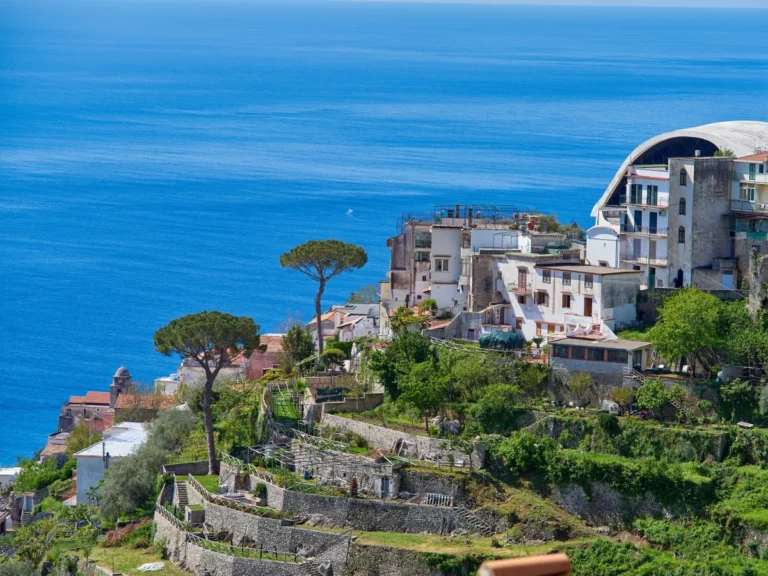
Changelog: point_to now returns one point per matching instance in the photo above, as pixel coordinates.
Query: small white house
(119, 441)
(8, 475)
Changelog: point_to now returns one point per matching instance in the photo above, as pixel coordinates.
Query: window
(617, 356)
(636, 194)
(418, 297)
(683, 178)
(542, 298)
(551, 329)
(421, 256)
(546, 276)
(519, 323)
(588, 281)
(423, 278)
(603, 263)
(521, 299)
(595, 354)
(681, 207)
(652, 196)
(560, 351)
(566, 300)
(423, 239)
(761, 168)
(747, 193)
(752, 170)
(578, 352)
(567, 278)
(441, 264)
(681, 235)
(538, 328)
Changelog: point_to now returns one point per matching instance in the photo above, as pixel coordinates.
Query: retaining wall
(383, 561)
(604, 505)
(205, 562)
(386, 439)
(182, 470)
(355, 513)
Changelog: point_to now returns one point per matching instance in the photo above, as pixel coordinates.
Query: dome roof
(743, 137)
(122, 372)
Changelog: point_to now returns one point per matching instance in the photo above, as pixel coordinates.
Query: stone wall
(386, 439)
(382, 561)
(357, 513)
(182, 470)
(367, 402)
(604, 505)
(417, 482)
(205, 562)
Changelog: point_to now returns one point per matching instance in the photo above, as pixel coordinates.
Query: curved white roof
(740, 136)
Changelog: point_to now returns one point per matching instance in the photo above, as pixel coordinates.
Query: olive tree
(212, 340)
(321, 260)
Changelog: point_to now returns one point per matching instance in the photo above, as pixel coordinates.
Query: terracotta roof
(53, 449)
(91, 398)
(97, 398)
(759, 157)
(144, 401)
(327, 316)
(274, 342)
(435, 324)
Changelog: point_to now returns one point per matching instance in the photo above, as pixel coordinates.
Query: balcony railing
(639, 258)
(661, 203)
(746, 177)
(747, 206)
(639, 229)
(520, 287)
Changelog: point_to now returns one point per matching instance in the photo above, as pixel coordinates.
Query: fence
(255, 553)
(228, 502)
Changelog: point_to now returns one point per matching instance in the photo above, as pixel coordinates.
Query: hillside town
(516, 385)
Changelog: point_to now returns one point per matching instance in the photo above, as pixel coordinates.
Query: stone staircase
(181, 495)
(26, 518)
(309, 568)
(478, 525)
(633, 378)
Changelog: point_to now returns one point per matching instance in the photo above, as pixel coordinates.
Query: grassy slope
(126, 561)
(210, 483)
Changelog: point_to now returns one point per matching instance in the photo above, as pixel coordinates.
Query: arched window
(681, 209)
(681, 235)
(683, 177)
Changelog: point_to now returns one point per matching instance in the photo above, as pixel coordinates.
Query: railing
(254, 553)
(631, 256)
(520, 287)
(639, 229)
(748, 206)
(170, 517)
(660, 203)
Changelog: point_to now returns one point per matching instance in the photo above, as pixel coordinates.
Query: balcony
(661, 203)
(756, 178)
(645, 230)
(639, 258)
(520, 287)
(747, 206)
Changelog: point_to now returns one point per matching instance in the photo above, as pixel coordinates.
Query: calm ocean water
(157, 157)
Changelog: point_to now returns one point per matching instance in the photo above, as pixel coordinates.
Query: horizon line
(654, 4)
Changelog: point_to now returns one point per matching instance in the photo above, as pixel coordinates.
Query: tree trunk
(208, 417)
(318, 314)
(426, 422)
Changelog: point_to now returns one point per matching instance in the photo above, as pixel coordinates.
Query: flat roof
(588, 269)
(125, 439)
(617, 344)
(9, 471)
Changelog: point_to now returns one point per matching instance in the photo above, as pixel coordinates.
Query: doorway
(588, 306)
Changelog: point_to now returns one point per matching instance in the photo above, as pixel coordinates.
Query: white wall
(602, 245)
(493, 239)
(90, 470)
(446, 244)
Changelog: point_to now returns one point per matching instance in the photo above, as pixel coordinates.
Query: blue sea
(157, 157)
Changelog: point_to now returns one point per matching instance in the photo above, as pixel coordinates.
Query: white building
(8, 475)
(546, 299)
(683, 215)
(119, 441)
